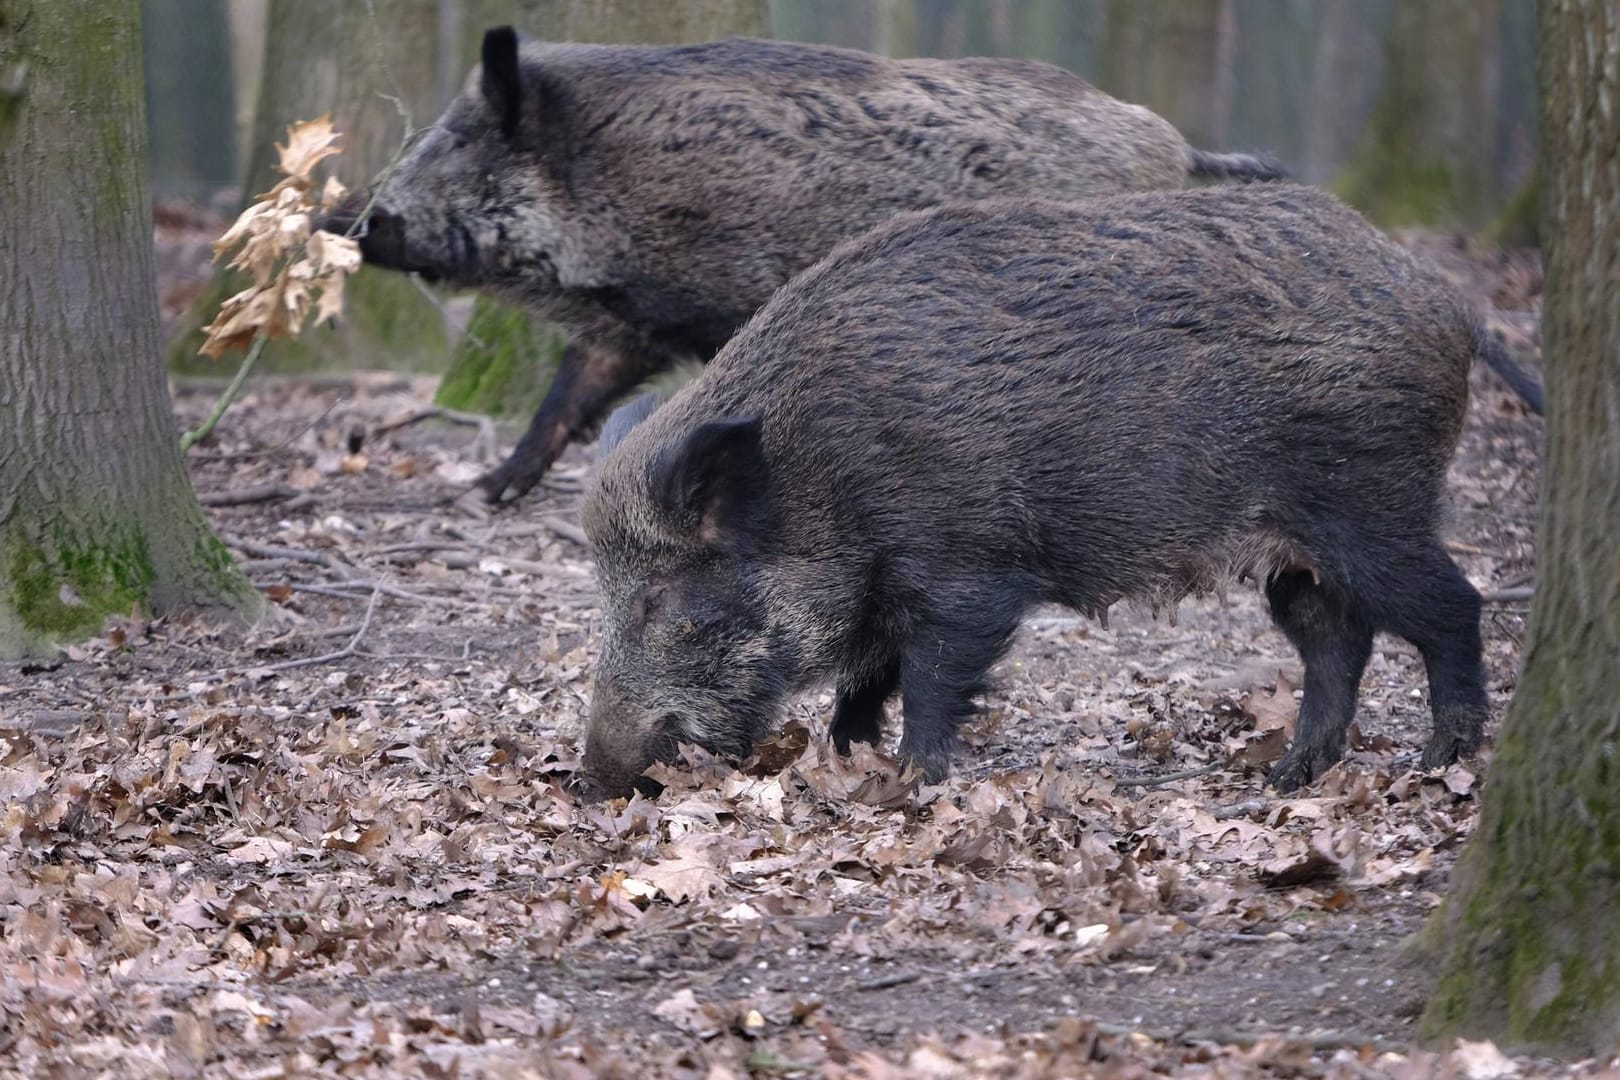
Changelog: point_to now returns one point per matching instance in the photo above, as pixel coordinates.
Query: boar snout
(619, 747)
(381, 235)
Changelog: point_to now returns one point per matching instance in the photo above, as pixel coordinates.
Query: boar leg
(1335, 641)
(858, 716)
(942, 668)
(590, 377)
(1435, 608)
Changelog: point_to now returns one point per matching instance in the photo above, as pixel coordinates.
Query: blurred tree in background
(186, 50)
(371, 64)
(1420, 111)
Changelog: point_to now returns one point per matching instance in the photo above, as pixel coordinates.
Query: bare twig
(245, 455)
(327, 658)
(270, 551)
(192, 438)
(1169, 778)
(1513, 595)
(1239, 809)
(567, 530)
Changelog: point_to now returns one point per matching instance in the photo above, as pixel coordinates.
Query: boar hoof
(507, 479)
(1299, 767)
(1445, 748)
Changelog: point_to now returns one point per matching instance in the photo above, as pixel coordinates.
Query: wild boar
(977, 409)
(649, 199)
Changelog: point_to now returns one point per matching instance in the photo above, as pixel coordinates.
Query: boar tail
(1495, 353)
(1208, 165)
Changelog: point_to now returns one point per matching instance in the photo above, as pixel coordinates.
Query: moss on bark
(503, 363)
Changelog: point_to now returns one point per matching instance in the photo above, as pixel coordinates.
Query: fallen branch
(885, 982)
(1320, 1040)
(485, 443)
(1240, 809)
(1513, 595)
(347, 590)
(1169, 778)
(246, 455)
(567, 530)
(271, 551)
(247, 496)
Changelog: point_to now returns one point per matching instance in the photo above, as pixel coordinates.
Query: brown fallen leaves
(292, 267)
(375, 866)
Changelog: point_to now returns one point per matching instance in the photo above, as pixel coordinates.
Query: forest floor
(344, 843)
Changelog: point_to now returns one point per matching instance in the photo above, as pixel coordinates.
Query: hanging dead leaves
(293, 268)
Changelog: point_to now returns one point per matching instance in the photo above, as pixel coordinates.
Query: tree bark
(96, 510)
(371, 64)
(1529, 936)
(504, 363)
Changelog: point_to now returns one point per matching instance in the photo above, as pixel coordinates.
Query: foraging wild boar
(977, 409)
(649, 199)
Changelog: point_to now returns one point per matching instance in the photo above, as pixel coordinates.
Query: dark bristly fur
(649, 199)
(977, 409)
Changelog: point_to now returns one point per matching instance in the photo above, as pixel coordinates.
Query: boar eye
(650, 604)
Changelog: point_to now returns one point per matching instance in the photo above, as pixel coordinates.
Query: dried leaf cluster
(293, 268)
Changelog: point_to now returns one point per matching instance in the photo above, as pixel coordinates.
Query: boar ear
(716, 483)
(502, 82)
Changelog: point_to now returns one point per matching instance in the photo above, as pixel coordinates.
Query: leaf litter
(223, 857)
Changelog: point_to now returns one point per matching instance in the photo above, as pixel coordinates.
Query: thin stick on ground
(484, 444)
(260, 493)
(331, 657)
(271, 451)
(1169, 778)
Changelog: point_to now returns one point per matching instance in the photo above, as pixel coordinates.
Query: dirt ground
(343, 842)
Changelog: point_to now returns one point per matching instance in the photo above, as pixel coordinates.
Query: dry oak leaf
(307, 144)
(680, 879)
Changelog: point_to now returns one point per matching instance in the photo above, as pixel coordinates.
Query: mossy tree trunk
(505, 361)
(365, 64)
(1428, 152)
(1530, 933)
(96, 510)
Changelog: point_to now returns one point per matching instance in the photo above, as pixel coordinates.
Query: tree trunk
(1176, 57)
(505, 361)
(1530, 934)
(1428, 153)
(96, 511)
(190, 99)
(365, 69)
